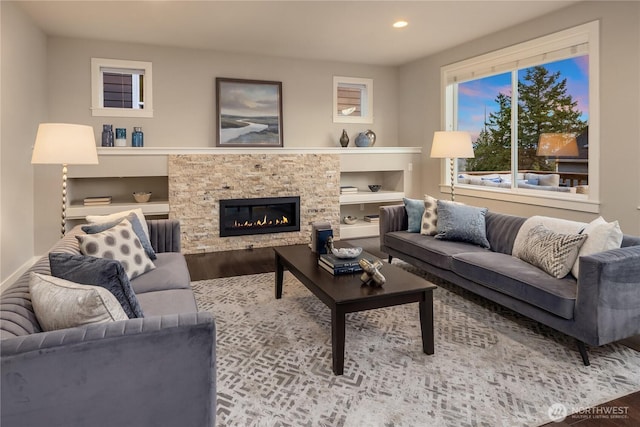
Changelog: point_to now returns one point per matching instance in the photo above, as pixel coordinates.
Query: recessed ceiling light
(400, 24)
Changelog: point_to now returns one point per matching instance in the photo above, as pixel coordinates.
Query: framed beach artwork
(249, 113)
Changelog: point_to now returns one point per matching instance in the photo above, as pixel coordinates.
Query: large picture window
(531, 110)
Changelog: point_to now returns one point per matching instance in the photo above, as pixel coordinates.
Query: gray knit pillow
(552, 252)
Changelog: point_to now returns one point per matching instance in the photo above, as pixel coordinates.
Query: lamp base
(63, 222)
(452, 177)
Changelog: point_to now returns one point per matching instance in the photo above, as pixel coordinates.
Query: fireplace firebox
(240, 217)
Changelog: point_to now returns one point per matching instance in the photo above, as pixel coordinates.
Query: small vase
(121, 137)
(107, 135)
(372, 137)
(344, 139)
(363, 140)
(137, 137)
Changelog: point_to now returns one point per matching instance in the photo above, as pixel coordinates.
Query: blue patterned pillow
(106, 273)
(462, 223)
(415, 209)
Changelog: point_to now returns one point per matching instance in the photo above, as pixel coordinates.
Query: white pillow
(102, 219)
(119, 243)
(601, 236)
(60, 304)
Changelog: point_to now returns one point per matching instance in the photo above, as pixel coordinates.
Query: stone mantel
(165, 151)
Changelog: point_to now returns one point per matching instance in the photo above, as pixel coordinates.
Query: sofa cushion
(427, 248)
(60, 304)
(544, 179)
(119, 243)
(172, 301)
(518, 279)
(502, 231)
(171, 272)
(102, 272)
(601, 236)
(462, 223)
(415, 209)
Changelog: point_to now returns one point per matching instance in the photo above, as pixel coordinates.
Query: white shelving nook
(390, 167)
(121, 171)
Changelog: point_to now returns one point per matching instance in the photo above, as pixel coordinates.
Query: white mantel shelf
(164, 151)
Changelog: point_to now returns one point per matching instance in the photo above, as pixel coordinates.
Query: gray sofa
(599, 307)
(153, 371)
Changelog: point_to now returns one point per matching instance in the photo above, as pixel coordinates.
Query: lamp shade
(65, 144)
(453, 144)
(557, 145)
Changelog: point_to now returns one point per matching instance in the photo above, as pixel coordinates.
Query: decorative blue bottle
(107, 135)
(137, 137)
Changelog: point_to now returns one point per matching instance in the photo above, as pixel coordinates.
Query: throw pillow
(415, 209)
(137, 228)
(555, 253)
(601, 236)
(429, 226)
(462, 223)
(60, 304)
(102, 272)
(100, 219)
(563, 226)
(119, 243)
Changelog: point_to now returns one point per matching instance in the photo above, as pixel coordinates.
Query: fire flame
(261, 222)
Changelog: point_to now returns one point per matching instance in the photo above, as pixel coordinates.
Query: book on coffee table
(340, 270)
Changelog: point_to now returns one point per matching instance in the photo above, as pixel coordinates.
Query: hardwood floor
(255, 261)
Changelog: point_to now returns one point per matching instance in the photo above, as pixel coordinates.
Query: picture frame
(249, 113)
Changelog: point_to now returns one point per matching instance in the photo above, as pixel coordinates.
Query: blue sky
(477, 98)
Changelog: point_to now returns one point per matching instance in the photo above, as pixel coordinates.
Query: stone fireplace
(198, 182)
(241, 217)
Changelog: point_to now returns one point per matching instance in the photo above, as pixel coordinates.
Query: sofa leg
(583, 353)
(389, 259)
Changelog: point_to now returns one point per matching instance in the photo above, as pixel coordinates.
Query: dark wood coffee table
(346, 294)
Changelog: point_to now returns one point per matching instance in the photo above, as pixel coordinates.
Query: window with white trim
(532, 112)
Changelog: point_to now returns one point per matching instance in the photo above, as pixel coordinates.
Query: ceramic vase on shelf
(107, 135)
(344, 139)
(121, 137)
(137, 138)
(363, 140)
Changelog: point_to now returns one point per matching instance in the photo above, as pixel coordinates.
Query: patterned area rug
(491, 367)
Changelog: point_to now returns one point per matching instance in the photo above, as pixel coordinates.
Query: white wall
(23, 88)
(420, 114)
(184, 102)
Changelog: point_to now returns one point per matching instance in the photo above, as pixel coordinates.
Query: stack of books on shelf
(98, 200)
(336, 266)
(372, 218)
(348, 189)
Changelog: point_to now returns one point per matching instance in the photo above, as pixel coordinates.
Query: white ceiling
(350, 31)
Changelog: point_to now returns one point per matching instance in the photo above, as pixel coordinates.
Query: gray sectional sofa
(158, 370)
(600, 306)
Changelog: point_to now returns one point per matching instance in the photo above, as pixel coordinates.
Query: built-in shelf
(371, 197)
(359, 229)
(160, 207)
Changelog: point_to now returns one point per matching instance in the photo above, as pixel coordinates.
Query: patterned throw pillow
(555, 253)
(430, 216)
(60, 304)
(101, 219)
(121, 244)
(462, 223)
(138, 228)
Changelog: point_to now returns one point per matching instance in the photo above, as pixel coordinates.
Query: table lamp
(452, 145)
(64, 144)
